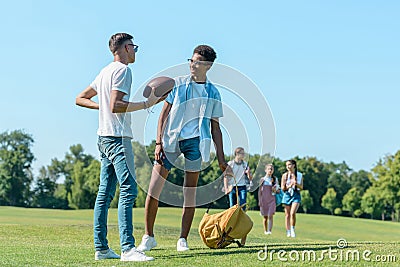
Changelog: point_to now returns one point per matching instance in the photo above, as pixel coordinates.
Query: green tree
(329, 200)
(361, 180)
(16, 177)
(339, 179)
(337, 211)
(85, 184)
(339, 183)
(44, 190)
(306, 200)
(372, 202)
(352, 201)
(358, 213)
(386, 179)
(251, 201)
(315, 175)
(80, 173)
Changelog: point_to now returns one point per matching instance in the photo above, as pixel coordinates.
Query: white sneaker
(182, 245)
(148, 242)
(292, 233)
(288, 232)
(135, 255)
(267, 232)
(105, 254)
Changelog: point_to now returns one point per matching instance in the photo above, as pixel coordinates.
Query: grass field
(41, 237)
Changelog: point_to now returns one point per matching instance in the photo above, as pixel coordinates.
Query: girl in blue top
(292, 183)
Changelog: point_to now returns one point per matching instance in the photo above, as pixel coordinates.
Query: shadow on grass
(210, 252)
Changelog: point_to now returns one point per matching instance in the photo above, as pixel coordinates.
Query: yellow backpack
(221, 229)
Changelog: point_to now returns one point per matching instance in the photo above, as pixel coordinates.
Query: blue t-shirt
(181, 98)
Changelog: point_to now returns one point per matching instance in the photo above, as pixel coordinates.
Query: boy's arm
(160, 129)
(226, 185)
(217, 138)
(248, 173)
(84, 99)
(118, 105)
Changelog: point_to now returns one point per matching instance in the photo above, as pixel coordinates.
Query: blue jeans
(117, 165)
(242, 191)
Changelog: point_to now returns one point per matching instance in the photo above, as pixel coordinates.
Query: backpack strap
(216, 192)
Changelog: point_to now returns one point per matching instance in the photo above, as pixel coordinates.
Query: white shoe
(267, 232)
(288, 232)
(182, 245)
(135, 255)
(292, 233)
(105, 254)
(148, 242)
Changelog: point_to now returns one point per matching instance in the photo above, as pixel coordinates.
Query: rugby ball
(161, 86)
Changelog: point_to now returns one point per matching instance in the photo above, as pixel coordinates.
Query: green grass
(40, 237)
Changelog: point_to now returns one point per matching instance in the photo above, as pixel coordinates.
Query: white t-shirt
(115, 76)
(299, 178)
(238, 172)
(190, 127)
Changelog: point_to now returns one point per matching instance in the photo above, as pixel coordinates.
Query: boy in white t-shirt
(113, 86)
(237, 181)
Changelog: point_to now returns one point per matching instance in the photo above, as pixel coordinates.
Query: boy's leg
(243, 196)
(232, 197)
(189, 204)
(158, 176)
(105, 194)
(123, 162)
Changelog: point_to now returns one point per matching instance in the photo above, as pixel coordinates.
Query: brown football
(161, 85)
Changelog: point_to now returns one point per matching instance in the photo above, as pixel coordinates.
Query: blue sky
(330, 70)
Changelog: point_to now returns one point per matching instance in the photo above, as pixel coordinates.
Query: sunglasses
(198, 62)
(135, 47)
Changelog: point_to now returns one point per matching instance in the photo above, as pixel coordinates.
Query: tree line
(72, 182)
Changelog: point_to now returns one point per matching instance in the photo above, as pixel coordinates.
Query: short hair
(238, 149)
(206, 51)
(117, 40)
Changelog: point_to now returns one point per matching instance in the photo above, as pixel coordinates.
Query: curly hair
(206, 51)
(117, 40)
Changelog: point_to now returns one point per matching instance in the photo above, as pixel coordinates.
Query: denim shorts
(191, 152)
(288, 199)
